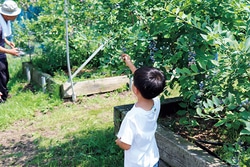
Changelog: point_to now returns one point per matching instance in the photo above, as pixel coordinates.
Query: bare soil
(17, 145)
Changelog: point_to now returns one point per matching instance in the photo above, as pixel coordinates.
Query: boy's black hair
(149, 81)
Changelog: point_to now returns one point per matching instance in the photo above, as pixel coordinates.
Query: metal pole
(43, 83)
(67, 51)
(28, 74)
(86, 62)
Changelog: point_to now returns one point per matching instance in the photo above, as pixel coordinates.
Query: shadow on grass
(18, 152)
(94, 148)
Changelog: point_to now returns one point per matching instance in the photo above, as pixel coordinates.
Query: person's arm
(13, 51)
(122, 145)
(126, 59)
(11, 44)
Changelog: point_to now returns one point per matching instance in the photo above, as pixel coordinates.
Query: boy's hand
(126, 59)
(122, 145)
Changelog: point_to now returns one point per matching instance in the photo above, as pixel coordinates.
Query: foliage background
(203, 46)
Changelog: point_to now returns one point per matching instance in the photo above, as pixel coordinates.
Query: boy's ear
(136, 91)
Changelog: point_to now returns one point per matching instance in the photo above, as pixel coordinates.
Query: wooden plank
(94, 86)
(178, 152)
(81, 88)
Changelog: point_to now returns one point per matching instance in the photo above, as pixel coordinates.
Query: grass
(23, 102)
(61, 133)
(79, 134)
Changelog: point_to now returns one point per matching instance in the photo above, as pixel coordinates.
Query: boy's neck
(145, 104)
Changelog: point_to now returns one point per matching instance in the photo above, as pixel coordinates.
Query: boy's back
(138, 129)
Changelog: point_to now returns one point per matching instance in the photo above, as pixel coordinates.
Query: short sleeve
(126, 131)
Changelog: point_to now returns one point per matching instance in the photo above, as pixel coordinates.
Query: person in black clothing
(8, 12)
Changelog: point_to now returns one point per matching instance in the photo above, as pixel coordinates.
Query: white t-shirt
(138, 130)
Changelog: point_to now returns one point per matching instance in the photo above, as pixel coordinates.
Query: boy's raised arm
(127, 60)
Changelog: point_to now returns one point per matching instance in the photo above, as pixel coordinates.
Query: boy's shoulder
(133, 111)
(157, 99)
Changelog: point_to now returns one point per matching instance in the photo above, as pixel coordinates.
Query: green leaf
(182, 15)
(244, 132)
(205, 104)
(186, 70)
(181, 112)
(230, 97)
(167, 35)
(245, 115)
(184, 121)
(199, 112)
(194, 68)
(178, 71)
(189, 18)
(220, 122)
(215, 62)
(194, 123)
(183, 105)
(228, 125)
(247, 124)
(176, 10)
(231, 106)
(217, 109)
(216, 101)
(226, 101)
(204, 36)
(210, 103)
(247, 45)
(202, 64)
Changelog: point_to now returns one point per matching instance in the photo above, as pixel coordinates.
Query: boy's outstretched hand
(127, 60)
(125, 57)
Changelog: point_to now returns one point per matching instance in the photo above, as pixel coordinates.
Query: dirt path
(17, 145)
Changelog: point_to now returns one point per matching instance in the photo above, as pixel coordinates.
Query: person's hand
(1, 100)
(117, 141)
(125, 57)
(122, 145)
(12, 45)
(127, 60)
(14, 51)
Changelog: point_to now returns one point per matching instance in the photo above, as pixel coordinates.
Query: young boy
(137, 132)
